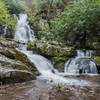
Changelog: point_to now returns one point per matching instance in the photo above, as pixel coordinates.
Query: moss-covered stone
(97, 61)
(59, 62)
(14, 65)
(59, 58)
(52, 49)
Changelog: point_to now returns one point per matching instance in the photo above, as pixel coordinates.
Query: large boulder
(51, 49)
(59, 62)
(14, 65)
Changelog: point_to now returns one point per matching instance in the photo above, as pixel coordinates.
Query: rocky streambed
(41, 90)
(15, 67)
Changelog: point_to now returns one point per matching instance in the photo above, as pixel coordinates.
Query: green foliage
(34, 42)
(53, 86)
(51, 81)
(46, 4)
(57, 86)
(57, 58)
(78, 21)
(43, 12)
(15, 6)
(6, 18)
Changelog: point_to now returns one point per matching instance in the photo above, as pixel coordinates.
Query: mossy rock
(9, 75)
(19, 56)
(59, 62)
(14, 65)
(56, 58)
(97, 61)
(12, 70)
(52, 49)
(4, 42)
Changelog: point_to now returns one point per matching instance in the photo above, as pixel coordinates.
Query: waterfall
(23, 31)
(81, 63)
(43, 65)
(25, 34)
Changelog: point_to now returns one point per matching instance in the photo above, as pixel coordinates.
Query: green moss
(97, 59)
(21, 57)
(59, 58)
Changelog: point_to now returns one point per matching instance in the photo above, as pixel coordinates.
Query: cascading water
(44, 66)
(25, 34)
(81, 63)
(23, 31)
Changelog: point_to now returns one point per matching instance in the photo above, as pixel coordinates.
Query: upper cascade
(23, 31)
(81, 63)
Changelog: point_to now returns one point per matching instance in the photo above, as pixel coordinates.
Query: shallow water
(32, 90)
(23, 91)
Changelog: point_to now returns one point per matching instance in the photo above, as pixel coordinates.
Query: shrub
(5, 18)
(43, 12)
(79, 20)
(15, 6)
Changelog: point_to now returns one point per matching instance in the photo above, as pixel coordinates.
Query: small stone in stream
(44, 96)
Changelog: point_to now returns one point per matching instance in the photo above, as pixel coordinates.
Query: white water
(43, 65)
(23, 31)
(81, 63)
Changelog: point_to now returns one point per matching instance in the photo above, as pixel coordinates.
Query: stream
(80, 74)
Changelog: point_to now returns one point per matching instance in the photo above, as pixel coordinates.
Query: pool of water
(34, 89)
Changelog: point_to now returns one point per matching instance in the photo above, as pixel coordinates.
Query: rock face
(14, 65)
(51, 49)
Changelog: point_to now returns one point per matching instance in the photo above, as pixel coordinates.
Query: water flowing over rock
(16, 61)
(82, 63)
(14, 65)
(23, 31)
(51, 49)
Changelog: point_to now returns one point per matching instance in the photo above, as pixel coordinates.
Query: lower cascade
(81, 63)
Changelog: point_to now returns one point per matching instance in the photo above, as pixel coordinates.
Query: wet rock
(97, 61)
(17, 55)
(44, 96)
(14, 65)
(4, 42)
(57, 94)
(14, 71)
(59, 63)
(51, 49)
(10, 75)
